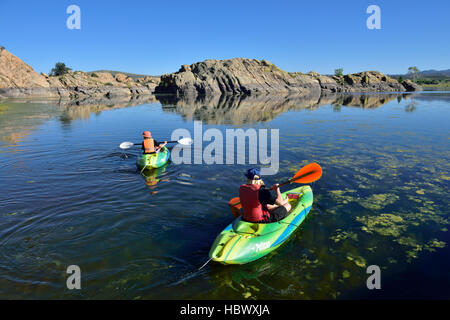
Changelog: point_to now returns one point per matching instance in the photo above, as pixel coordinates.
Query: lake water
(70, 196)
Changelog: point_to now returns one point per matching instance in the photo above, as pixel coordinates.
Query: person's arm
(279, 200)
(271, 199)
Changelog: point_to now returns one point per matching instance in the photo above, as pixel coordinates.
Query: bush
(60, 69)
(339, 72)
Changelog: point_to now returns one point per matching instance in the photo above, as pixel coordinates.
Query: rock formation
(368, 81)
(411, 86)
(17, 74)
(18, 79)
(210, 77)
(247, 76)
(234, 76)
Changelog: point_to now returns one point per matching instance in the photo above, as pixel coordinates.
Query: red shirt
(254, 211)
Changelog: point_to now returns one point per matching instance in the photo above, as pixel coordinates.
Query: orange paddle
(309, 173)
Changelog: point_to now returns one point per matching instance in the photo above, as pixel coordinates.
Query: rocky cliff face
(247, 76)
(14, 73)
(234, 76)
(18, 79)
(368, 81)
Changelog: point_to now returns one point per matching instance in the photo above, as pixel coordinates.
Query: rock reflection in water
(237, 110)
(20, 117)
(225, 109)
(82, 109)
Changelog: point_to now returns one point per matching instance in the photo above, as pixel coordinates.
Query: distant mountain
(133, 76)
(426, 73)
(434, 73)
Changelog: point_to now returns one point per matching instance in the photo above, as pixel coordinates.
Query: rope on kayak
(204, 264)
(291, 224)
(145, 166)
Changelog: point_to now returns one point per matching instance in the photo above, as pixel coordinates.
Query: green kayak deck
(242, 242)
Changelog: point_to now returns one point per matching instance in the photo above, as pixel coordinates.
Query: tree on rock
(414, 72)
(339, 72)
(60, 69)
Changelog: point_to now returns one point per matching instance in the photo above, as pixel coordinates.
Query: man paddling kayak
(260, 204)
(150, 145)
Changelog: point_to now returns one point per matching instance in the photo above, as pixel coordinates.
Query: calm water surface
(70, 196)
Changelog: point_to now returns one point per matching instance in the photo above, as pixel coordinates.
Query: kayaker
(150, 145)
(260, 204)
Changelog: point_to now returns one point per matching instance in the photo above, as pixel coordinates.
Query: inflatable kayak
(153, 160)
(242, 242)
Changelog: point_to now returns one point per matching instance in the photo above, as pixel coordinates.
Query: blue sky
(156, 37)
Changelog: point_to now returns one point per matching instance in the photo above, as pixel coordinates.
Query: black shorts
(278, 214)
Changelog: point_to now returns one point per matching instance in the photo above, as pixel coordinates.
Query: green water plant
(385, 224)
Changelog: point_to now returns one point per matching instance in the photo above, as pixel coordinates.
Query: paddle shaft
(293, 180)
(138, 144)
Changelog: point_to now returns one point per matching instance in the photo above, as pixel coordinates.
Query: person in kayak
(150, 145)
(260, 204)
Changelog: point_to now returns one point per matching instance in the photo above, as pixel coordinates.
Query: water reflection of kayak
(242, 242)
(153, 176)
(153, 160)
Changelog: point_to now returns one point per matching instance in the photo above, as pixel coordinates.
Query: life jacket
(253, 209)
(149, 145)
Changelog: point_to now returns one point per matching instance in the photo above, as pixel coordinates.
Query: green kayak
(153, 160)
(242, 242)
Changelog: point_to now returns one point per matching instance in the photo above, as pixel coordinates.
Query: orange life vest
(253, 209)
(149, 146)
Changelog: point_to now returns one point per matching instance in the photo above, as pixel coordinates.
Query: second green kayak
(242, 242)
(153, 160)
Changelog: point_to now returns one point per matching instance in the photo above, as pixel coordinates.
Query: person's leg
(278, 213)
(288, 207)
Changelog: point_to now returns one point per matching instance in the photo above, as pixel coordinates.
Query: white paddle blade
(126, 145)
(185, 141)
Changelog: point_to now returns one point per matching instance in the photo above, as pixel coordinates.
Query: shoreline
(209, 77)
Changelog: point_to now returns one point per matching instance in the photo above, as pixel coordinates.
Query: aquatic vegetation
(3, 108)
(414, 246)
(378, 201)
(358, 260)
(344, 235)
(385, 224)
(342, 196)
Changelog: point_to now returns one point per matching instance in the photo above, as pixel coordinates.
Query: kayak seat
(242, 226)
